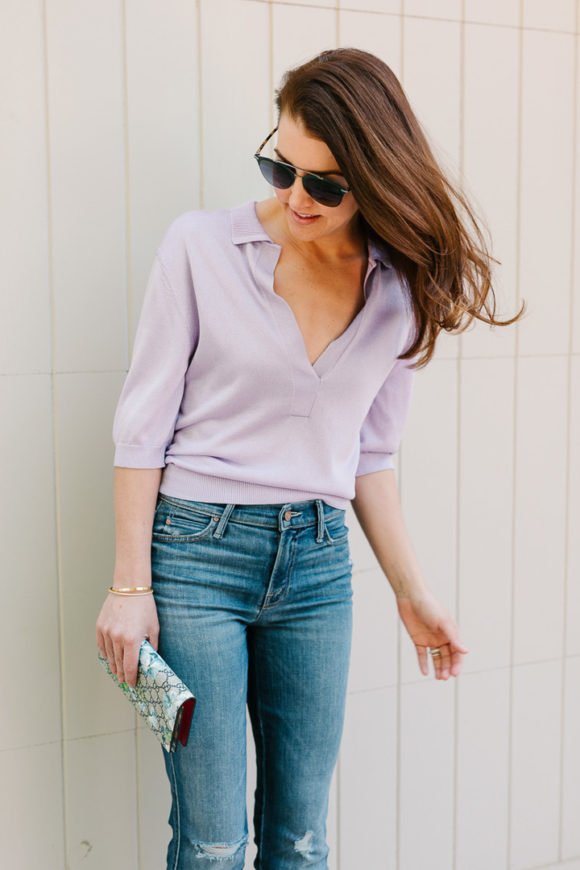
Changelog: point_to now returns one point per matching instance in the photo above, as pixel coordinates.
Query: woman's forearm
(378, 509)
(136, 492)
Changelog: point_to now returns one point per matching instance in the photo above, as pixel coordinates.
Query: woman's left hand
(429, 624)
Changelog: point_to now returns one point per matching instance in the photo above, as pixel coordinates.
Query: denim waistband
(296, 514)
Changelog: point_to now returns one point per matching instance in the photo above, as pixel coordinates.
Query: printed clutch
(164, 702)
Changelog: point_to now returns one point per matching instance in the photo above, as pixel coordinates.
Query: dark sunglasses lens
(278, 175)
(275, 174)
(325, 192)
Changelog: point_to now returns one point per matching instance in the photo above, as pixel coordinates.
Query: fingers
(118, 652)
(126, 653)
(131, 663)
(457, 661)
(441, 663)
(123, 656)
(448, 663)
(423, 660)
(154, 637)
(110, 653)
(101, 642)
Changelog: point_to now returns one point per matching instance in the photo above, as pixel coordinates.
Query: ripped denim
(255, 611)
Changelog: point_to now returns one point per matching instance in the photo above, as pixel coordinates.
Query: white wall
(121, 115)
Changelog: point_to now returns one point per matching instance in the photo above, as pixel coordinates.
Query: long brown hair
(354, 103)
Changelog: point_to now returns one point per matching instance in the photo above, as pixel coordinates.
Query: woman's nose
(298, 196)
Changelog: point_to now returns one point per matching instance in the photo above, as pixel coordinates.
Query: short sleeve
(151, 397)
(383, 426)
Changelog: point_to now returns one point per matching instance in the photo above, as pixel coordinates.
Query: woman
(269, 386)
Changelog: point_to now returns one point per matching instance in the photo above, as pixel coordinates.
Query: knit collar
(247, 228)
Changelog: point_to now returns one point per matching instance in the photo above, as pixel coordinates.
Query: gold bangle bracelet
(131, 590)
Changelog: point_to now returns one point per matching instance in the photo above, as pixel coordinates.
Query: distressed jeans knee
(304, 845)
(227, 855)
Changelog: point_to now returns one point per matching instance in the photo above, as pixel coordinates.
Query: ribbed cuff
(136, 456)
(369, 462)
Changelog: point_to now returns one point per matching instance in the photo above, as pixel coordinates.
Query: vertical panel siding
(429, 478)
(546, 196)
(102, 829)
(426, 721)
(432, 82)
(298, 34)
(24, 301)
(85, 111)
(84, 405)
(31, 820)
(162, 98)
(541, 504)
(575, 301)
(570, 761)
(490, 163)
(572, 610)
(153, 801)
(441, 9)
(505, 12)
(485, 503)
(535, 799)
(379, 34)
(482, 769)
(29, 562)
(368, 782)
(389, 7)
(152, 110)
(325, 3)
(235, 99)
(374, 658)
(558, 15)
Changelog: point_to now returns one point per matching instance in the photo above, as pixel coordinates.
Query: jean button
(288, 515)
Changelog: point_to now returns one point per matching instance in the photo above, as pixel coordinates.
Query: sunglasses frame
(338, 187)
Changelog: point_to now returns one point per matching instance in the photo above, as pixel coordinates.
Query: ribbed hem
(183, 483)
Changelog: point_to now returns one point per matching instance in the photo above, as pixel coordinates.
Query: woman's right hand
(123, 623)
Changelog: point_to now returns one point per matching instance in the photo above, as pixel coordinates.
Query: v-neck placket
(307, 378)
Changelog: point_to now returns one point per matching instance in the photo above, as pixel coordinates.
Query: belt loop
(221, 526)
(320, 524)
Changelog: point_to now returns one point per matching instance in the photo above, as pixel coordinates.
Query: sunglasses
(283, 175)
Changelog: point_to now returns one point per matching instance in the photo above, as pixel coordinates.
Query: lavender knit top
(220, 392)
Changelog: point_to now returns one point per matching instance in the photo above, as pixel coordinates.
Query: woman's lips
(303, 221)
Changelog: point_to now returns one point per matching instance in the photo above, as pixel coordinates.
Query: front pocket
(172, 523)
(336, 531)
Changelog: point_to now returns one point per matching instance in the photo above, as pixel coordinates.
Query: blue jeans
(255, 608)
